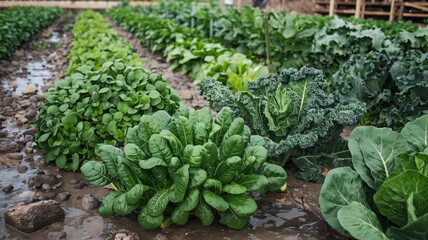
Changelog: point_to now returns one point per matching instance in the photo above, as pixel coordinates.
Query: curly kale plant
(393, 88)
(91, 107)
(171, 167)
(290, 110)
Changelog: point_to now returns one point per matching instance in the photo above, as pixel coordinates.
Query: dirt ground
(293, 214)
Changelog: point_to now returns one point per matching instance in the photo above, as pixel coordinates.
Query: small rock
(64, 196)
(56, 236)
(31, 114)
(50, 195)
(15, 156)
(28, 150)
(31, 89)
(89, 202)
(25, 196)
(40, 179)
(3, 134)
(80, 184)
(46, 186)
(21, 168)
(126, 236)
(161, 236)
(25, 104)
(74, 181)
(7, 145)
(34, 216)
(20, 120)
(8, 188)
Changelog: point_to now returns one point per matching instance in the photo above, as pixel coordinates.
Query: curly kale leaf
(291, 110)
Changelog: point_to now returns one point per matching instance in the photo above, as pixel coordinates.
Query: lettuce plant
(189, 163)
(384, 195)
(290, 110)
(91, 107)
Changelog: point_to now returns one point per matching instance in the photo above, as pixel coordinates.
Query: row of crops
(18, 25)
(120, 124)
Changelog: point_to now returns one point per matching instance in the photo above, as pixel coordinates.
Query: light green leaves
(95, 173)
(373, 151)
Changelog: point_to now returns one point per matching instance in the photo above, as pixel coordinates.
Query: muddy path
(293, 214)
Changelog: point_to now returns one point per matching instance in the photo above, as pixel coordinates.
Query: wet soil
(293, 214)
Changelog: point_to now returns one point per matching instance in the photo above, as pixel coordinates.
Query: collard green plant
(92, 107)
(188, 163)
(385, 197)
(289, 110)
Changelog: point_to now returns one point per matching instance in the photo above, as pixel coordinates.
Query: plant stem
(267, 40)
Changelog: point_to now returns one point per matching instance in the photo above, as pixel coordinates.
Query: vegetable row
(189, 50)
(123, 126)
(19, 24)
(104, 93)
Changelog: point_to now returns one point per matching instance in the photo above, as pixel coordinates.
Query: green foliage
(19, 24)
(97, 104)
(178, 172)
(94, 43)
(290, 110)
(391, 86)
(386, 195)
(188, 50)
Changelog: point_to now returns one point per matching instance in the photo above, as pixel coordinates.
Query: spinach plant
(384, 195)
(188, 163)
(91, 107)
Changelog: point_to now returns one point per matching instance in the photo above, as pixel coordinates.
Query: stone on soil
(40, 179)
(31, 89)
(15, 156)
(34, 216)
(89, 202)
(8, 188)
(21, 169)
(64, 196)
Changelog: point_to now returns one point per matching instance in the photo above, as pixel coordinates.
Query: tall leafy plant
(384, 195)
(290, 110)
(188, 163)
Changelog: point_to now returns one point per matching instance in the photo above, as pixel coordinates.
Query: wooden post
(358, 9)
(392, 11)
(332, 7)
(401, 10)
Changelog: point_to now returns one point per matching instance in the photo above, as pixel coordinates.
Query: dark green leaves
(95, 173)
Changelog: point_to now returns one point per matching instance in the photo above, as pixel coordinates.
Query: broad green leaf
(109, 155)
(257, 151)
(210, 157)
(133, 152)
(179, 216)
(197, 177)
(200, 134)
(214, 185)
(411, 211)
(391, 198)
(360, 222)
(254, 182)
(174, 143)
(233, 146)
(234, 188)
(373, 151)
(125, 174)
(242, 205)
(227, 170)
(204, 213)
(416, 133)
(178, 188)
(341, 187)
(191, 200)
(230, 219)
(159, 148)
(95, 173)
(275, 175)
(193, 155)
(236, 128)
(134, 195)
(215, 201)
(414, 230)
(147, 221)
(121, 207)
(106, 208)
(157, 204)
(162, 118)
(151, 163)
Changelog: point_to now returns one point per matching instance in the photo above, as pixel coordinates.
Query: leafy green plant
(95, 43)
(391, 87)
(189, 163)
(91, 107)
(290, 110)
(385, 196)
(186, 48)
(19, 24)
